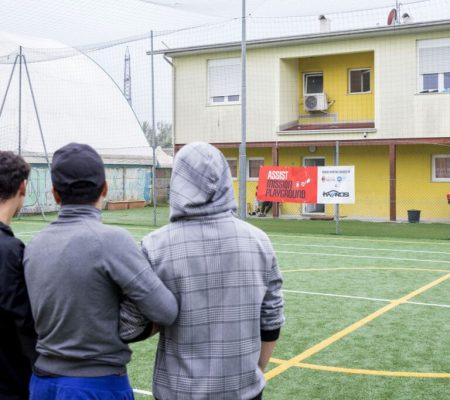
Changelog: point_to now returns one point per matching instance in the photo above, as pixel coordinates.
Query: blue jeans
(71, 388)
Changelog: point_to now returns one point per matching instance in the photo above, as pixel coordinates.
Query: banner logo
(326, 185)
(335, 193)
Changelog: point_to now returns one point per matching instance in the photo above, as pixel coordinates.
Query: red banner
(288, 184)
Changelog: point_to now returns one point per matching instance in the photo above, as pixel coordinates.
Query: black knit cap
(77, 169)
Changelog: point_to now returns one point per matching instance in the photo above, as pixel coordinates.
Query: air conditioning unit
(316, 102)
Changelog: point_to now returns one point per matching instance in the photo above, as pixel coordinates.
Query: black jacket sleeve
(14, 302)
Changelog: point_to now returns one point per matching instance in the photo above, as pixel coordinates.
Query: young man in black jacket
(17, 336)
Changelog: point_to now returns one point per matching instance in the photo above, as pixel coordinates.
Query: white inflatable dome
(76, 99)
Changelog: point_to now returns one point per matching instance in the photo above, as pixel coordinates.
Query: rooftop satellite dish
(392, 17)
(406, 18)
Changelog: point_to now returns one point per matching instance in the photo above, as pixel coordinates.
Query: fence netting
(101, 93)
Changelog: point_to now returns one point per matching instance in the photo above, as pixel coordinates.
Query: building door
(310, 208)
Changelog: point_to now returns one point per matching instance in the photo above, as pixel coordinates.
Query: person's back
(224, 274)
(79, 261)
(77, 271)
(17, 336)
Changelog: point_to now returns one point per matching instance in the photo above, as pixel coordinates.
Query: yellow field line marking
(403, 374)
(339, 335)
(362, 269)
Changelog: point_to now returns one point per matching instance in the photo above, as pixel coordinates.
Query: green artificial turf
(331, 282)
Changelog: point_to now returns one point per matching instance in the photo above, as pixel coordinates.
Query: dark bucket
(413, 216)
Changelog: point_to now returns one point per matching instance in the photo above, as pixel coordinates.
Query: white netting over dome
(77, 102)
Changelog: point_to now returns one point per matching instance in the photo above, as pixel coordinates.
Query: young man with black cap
(17, 336)
(77, 271)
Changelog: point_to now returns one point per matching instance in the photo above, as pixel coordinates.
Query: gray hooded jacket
(224, 274)
(77, 270)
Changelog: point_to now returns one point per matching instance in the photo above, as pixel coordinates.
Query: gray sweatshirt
(76, 271)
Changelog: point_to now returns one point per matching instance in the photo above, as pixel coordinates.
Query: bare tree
(163, 133)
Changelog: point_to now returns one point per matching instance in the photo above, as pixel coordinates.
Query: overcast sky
(84, 22)
(79, 22)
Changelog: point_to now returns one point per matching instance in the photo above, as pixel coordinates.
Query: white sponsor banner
(336, 185)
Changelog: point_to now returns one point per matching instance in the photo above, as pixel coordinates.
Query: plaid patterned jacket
(225, 277)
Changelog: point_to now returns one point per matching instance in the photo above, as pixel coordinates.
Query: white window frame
(433, 168)
(349, 80)
(440, 88)
(445, 90)
(305, 76)
(432, 43)
(248, 168)
(305, 206)
(237, 166)
(422, 82)
(227, 100)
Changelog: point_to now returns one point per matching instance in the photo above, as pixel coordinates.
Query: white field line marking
(26, 233)
(34, 232)
(350, 329)
(364, 269)
(363, 298)
(138, 228)
(276, 235)
(336, 295)
(358, 239)
(418, 303)
(145, 392)
(357, 256)
(116, 223)
(19, 234)
(362, 248)
(23, 221)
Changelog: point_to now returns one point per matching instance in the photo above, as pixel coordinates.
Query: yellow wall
(371, 178)
(293, 157)
(371, 181)
(335, 69)
(415, 189)
(266, 153)
(273, 91)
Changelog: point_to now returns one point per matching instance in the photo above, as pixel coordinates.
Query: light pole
(153, 132)
(243, 145)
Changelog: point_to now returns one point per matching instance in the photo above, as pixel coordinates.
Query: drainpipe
(275, 156)
(174, 80)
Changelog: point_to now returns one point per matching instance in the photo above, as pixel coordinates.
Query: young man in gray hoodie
(77, 271)
(224, 274)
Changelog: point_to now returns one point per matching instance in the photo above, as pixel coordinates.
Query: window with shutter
(433, 65)
(224, 81)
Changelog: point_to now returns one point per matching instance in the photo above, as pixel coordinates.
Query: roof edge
(309, 38)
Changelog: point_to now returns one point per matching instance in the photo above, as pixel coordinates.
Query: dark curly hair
(13, 170)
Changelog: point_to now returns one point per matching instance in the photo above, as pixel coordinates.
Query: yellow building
(381, 96)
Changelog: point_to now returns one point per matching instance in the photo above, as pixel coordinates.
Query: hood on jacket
(201, 183)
